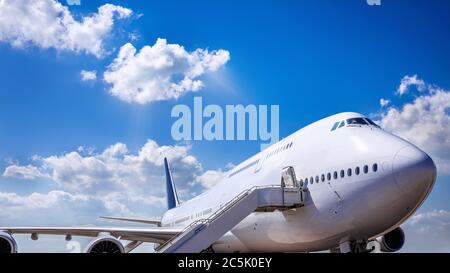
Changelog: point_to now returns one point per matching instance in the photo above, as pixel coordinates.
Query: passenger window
(323, 177)
(342, 173)
(329, 176)
(335, 175)
(349, 172)
(366, 169)
(375, 167)
(317, 179)
(357, 170)
(311, 180)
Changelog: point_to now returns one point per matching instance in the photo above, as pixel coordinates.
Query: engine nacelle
(392, 241)
(7, 243)
(105, 244)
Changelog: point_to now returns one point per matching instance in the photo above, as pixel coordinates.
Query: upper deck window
(356, 121)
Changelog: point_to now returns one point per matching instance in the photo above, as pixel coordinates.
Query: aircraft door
(292, 188)
(338, 207)
(288, 178)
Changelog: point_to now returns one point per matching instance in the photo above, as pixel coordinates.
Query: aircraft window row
(244, 168)
(279, 149)
(353, 121)
(341, 174)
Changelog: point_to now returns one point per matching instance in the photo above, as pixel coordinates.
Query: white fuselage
(353, 207)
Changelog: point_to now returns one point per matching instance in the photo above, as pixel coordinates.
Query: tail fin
(172, 197)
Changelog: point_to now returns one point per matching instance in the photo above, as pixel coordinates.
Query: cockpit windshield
(356, 121)
(371, 122)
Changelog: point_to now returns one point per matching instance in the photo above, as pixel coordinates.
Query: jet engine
(392, 241)
(7, 243)
(105, 244)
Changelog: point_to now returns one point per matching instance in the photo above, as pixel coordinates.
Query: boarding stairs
(202, 233)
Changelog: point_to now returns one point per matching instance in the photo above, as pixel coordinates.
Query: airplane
(335, 185)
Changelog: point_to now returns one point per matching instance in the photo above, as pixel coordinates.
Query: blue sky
(313, 58)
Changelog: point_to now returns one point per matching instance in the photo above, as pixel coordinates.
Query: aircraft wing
(151, 235)
(154, 221)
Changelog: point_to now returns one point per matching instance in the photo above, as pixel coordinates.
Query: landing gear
(359, 246)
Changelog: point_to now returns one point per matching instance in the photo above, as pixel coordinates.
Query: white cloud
(210, 178)
(37, 200)
(439, 219)
(116, 169)
(88, 75)
(428, 232)
(408, 81)
(23, 172)
(114, 201)
(160, 72)
(384, 102)
(113, 181)
(134, 36)
(425, 122)
(55, 207)
(88, 184)
(49, 24)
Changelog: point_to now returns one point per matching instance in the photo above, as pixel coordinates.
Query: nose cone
(414, 171)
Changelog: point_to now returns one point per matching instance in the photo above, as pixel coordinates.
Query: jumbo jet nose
(414, 171)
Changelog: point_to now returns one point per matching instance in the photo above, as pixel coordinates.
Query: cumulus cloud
(88, 75)
(384, 102)
(408, 81)
(37, 200)
(428, 232)
(49, 24)
(23, 172)
(425, 121)
(116, 168)
(160, 72)
(114, 181)
(210, 178)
